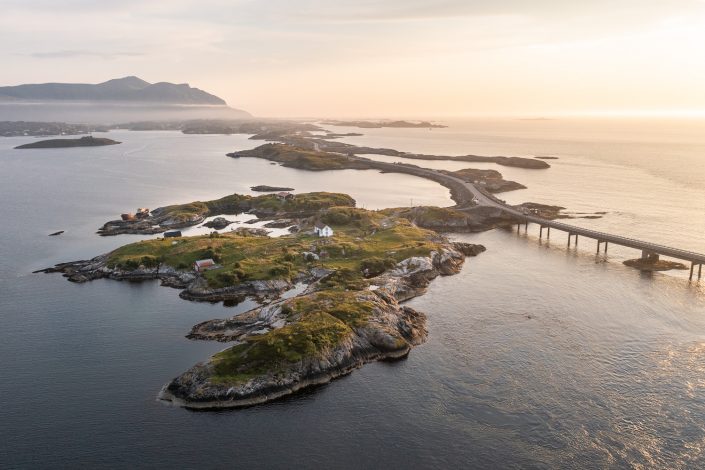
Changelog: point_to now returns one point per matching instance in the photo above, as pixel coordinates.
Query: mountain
(119, 100)
(127, 89)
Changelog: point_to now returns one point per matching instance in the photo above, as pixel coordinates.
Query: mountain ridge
(130, 89)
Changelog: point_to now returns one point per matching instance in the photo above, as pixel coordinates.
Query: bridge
(649, 250)
(479, 196)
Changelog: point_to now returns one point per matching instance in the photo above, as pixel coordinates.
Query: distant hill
(120, 99)
(128, 89)
(88, 141)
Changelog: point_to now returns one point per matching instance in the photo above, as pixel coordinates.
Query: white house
(323, 230)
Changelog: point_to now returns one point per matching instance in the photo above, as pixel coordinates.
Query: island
(490, 180)
(381, 124)
(309, 142)
(652, 263)
(357, 266)
(266, 206)
(87, 141)
(263, 188)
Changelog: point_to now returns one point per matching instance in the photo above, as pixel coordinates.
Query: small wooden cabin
(203, 265)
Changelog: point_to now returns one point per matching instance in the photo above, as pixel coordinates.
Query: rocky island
(653, 263)
(263, 188)
(491, 180)
(87, 141)
(381, 124)
(465, 216)
(349, 314)
(266, 206)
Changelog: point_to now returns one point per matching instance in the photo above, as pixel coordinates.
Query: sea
(538, 355)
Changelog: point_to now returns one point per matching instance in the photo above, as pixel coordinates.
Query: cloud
(69, 54)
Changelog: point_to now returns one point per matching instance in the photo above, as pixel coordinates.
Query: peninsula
(87, 141)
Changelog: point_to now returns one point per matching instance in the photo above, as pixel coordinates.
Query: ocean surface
(538, 356)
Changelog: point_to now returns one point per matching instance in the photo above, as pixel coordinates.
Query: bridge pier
(606, 247)
(548, 231)
(570, 234)
(692, 265)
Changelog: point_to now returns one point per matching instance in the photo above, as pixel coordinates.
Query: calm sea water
(538, 357)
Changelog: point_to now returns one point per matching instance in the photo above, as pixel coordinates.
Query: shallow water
(537, 356)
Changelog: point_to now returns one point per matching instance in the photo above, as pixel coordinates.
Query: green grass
(428, 216)
(271, 352)
(320, 321)
(305, 203)
(365, 243)
(365, 240)
(296, 157)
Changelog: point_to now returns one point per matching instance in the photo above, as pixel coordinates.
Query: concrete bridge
(479, 196)
(649, 251)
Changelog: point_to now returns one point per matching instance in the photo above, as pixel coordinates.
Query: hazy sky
(392, 58)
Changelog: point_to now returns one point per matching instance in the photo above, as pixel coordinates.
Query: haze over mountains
(130, 89)
(121, 99)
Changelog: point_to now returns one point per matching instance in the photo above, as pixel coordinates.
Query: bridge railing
(604, 236)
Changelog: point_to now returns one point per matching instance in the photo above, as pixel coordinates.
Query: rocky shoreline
(652, 265)
(387, 331)
(268, 206)
(390, 333)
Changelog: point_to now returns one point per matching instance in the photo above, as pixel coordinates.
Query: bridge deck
(619, 240)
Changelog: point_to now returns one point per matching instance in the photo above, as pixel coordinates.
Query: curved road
(484, 199)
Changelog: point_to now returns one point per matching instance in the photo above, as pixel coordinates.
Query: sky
(392, 58)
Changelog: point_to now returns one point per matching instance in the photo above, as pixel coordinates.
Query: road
(480, 197)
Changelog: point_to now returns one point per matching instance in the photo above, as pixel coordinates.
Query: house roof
(205, 262)
(321, 225)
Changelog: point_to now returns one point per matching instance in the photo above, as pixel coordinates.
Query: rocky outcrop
(469, 249)
(263, 188)
(150, 225)
(392, 332)
(654, 264)
(490, 180)
(389, 331)
(193, 284)
(219, 223)
(267, 206)
(470, 219)
(98, 268)
(199, 290)
(281, 223)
